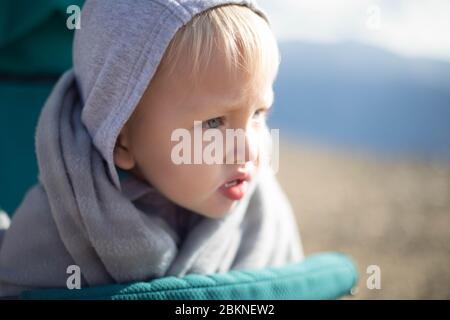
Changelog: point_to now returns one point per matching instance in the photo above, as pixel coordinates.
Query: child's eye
(260, 114)
(212, 123)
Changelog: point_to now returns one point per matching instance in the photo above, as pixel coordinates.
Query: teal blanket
(321, 276)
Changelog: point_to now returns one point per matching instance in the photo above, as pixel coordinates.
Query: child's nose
(252, 147)
(247, 152)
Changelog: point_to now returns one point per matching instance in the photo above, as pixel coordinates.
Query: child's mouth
(232, 183)
(236, 188)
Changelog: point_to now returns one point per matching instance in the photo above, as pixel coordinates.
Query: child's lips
(236, 191)
(235, 188)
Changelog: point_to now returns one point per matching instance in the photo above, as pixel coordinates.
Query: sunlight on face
(221, 100)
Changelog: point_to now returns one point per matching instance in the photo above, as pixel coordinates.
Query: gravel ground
(391, 213)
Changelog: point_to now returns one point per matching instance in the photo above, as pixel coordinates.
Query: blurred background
(363, 107)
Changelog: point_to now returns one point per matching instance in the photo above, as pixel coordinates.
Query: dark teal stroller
(34, 51)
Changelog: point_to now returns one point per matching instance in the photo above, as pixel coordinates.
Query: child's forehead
(217, 79)
(218, 72)
(219, 67)
(224, 95)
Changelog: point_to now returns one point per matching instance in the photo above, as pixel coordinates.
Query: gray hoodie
(81, 213)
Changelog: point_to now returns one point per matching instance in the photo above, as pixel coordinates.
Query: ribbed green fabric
(321, 276)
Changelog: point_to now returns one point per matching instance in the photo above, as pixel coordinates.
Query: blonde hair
(244, 37)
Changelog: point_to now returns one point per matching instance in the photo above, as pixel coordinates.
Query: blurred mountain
(360, 97)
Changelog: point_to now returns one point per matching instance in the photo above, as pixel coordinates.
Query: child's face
(173, 102)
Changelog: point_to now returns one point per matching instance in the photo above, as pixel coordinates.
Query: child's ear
(123, 157)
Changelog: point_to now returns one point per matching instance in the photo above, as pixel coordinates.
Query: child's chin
(218, 213)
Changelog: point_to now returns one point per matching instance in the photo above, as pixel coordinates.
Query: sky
(414, 28)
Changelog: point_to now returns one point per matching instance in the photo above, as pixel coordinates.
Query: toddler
(124, 193)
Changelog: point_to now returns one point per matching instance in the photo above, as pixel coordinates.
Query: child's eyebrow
(266, 102)
(214, 107)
